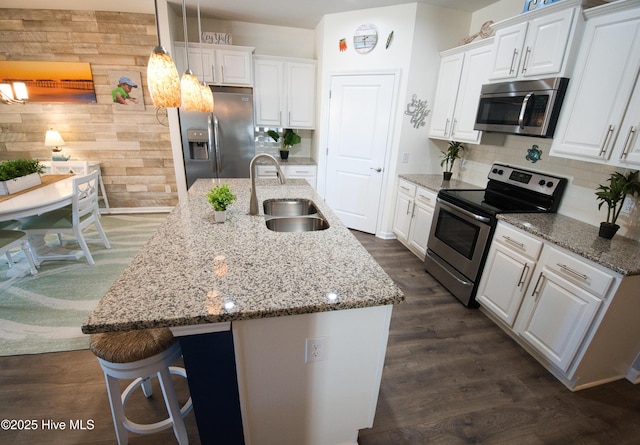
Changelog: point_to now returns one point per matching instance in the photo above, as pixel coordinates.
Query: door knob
(378, 169)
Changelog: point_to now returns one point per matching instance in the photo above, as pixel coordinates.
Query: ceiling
(302, 13)
(295, 13)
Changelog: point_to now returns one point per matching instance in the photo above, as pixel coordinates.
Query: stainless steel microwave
(527, 107)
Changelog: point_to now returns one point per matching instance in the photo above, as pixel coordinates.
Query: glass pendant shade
(207, 98)
(190, 91)
(163, 79)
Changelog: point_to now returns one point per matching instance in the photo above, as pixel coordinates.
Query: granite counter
(194, 271)
(435, 182)
(619, 254)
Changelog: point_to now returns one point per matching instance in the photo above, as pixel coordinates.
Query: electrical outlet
(405, 157)
(628, 205)
(315, 349)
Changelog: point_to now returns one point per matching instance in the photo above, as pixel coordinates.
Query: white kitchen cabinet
(291, 171)
(404, 207)
(221, 65)
(509, 267)
(571, 314)
(413, 216)
(284, 93)
(424, 204)
(601, 113)
(459, 82)
(534, 48)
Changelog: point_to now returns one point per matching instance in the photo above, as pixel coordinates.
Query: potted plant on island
(220, 197)
(289, 139)
(19, 174)
(449, 158)
(614, 195)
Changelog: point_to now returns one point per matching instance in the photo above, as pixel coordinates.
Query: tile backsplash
(265, 144)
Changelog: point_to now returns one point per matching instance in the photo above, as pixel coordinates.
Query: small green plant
(289, 138)
(19, 167)
(613, 195)
(450, 156)
(220, 197)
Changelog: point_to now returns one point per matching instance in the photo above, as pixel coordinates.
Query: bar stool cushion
(131, 346)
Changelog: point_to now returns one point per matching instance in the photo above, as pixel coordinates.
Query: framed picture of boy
(126, 91)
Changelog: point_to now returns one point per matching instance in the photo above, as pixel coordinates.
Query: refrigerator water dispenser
(198, 144)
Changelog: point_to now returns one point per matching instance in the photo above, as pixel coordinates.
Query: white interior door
(359, 135)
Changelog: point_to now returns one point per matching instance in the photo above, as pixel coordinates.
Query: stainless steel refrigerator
(221, 144)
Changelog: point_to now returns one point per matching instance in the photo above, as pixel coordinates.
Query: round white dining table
(35, 202)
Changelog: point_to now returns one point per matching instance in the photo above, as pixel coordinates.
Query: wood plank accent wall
(133, 147)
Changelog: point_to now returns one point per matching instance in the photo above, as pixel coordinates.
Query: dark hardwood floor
(450, 377)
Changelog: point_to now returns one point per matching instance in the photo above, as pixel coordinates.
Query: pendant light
(189, 84)
(206, 93)
(162, 75)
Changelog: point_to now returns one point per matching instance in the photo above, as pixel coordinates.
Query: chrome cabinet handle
(526, 59)
(573, 272)
(408, 206)
(523, 275)
(453, 127)
(378, 169)
(523, 109)
(446, 126)
(606, 140)
(625, 151)
(535, 288)
(513, 59)
(510, 240)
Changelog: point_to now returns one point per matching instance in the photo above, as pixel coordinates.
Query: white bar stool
(140, 355)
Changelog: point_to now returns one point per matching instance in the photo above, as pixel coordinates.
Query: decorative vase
(447, 175)
(219, 216)
(284, 154)
(608, 230)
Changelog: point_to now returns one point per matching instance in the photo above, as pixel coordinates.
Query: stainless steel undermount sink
(289, 207)
(293, 215)
(297, 224)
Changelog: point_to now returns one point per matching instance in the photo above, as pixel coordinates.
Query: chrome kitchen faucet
(253, 201)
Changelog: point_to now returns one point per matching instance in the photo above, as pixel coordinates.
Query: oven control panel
(526, 179)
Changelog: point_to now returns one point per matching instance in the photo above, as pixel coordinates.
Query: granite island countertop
(619, 254)
(193, 271)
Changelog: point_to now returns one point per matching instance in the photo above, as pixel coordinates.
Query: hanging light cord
(200, 40)
(184, 25)
(155, 4)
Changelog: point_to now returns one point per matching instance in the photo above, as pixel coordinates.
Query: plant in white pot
(449, 158)
(613, 195)
(289, 139)
(220, 197)
(19, 174)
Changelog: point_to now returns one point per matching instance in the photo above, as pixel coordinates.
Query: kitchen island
(247, 302)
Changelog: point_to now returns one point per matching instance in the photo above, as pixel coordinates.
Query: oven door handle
(480, 218)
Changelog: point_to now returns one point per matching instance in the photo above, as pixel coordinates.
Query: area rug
(43, 313)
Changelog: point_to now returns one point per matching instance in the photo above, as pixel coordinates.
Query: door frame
(392, 138)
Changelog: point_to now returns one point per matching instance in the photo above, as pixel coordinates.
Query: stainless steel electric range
(464, 221)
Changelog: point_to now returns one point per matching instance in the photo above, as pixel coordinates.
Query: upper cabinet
(536, 44)
(601, 113)
(463, 70)
(217, 64)
(285, 91)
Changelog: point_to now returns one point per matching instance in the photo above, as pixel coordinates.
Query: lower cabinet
(413, 216)
(565, 310)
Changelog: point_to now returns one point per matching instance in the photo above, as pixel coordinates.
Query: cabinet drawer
(298, 171)
(266, 171)
(426, 197)
(579, 272)
(518, 241)
(407, 188)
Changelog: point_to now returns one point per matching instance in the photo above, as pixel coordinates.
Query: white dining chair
(82, 214)
(80, 168)
(13, 239)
